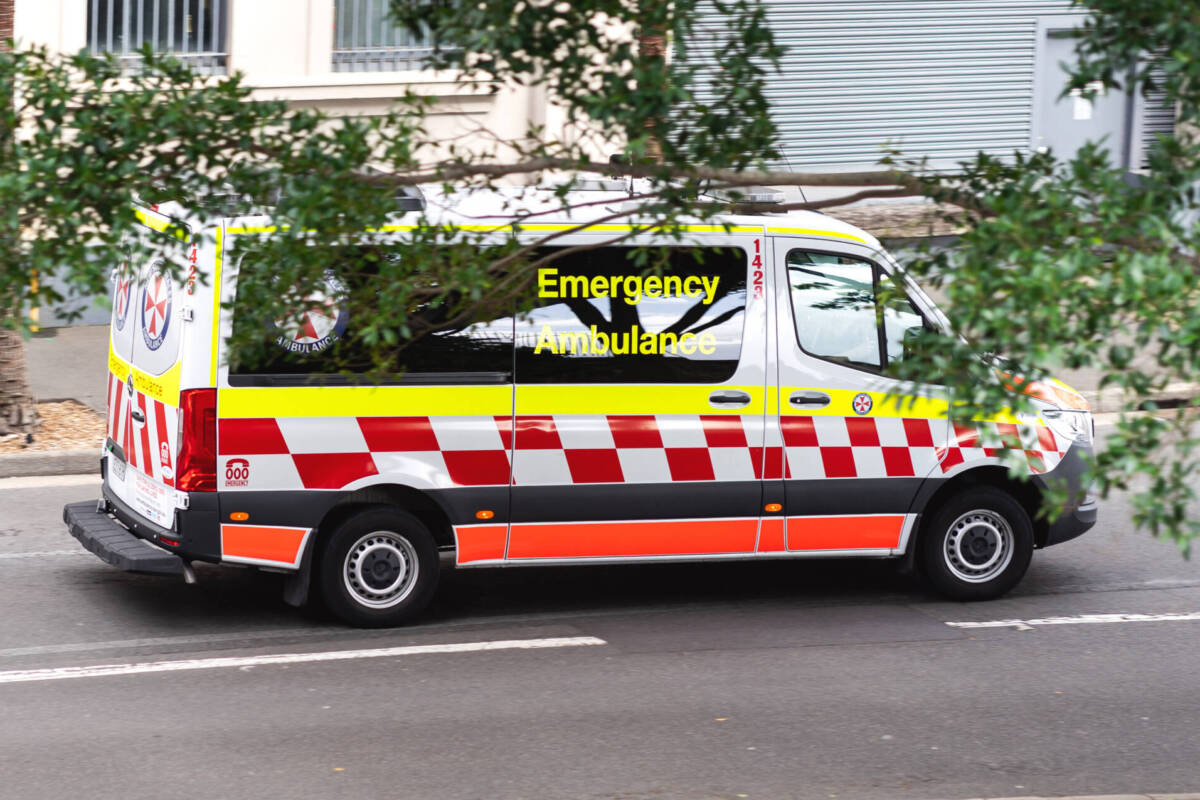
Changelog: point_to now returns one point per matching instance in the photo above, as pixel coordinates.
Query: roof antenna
(788, 164)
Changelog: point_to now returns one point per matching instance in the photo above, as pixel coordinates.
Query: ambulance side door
(857, 444)
(640, 406)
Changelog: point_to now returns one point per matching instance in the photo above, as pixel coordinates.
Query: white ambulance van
(735, 406)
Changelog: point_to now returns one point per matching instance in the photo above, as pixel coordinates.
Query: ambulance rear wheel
(977, 545)
(378, 568)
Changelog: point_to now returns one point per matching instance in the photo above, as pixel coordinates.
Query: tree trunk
(17, 412)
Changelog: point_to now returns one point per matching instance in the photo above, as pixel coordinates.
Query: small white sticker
(1082, 106)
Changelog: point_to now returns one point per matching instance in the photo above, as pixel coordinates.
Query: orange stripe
(657, 538)
(480, 542)
(770, 536)
(844, 533)
(262, 542)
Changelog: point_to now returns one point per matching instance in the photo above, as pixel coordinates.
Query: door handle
(809, 399)
(138, 416)
(729, 398)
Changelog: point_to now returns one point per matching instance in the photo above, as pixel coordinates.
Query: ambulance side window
(600, 317)
(843, 315)
(321, 342)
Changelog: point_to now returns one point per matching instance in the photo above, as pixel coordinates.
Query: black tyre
(378, 568)
(977, 545)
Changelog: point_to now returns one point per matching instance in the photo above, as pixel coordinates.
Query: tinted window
(321, 341)
(597, 318)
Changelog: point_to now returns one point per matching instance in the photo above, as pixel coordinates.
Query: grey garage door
(941, 79)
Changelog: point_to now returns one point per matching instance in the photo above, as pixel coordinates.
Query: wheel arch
(416, 502)
(1025, 492)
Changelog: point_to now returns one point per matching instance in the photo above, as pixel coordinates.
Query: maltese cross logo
(862, 403)
(156, 311)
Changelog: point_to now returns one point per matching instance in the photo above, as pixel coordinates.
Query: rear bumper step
(115, 545)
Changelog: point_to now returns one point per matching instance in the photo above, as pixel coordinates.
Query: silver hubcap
(978, 546)
(381, 569)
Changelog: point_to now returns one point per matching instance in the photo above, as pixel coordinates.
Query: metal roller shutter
(942, 79)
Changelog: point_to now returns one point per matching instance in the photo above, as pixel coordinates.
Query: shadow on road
(226, 595)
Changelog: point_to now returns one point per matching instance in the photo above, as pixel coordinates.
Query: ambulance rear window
(600, 317)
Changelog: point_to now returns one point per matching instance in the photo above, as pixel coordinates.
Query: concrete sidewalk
(69, 364)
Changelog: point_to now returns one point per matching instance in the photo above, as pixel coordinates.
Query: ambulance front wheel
(378, 568)
(977, 545)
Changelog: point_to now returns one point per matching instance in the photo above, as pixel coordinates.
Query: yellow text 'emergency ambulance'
(734, 406)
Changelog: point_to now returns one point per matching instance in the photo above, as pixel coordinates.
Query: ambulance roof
(535, 205)
(603, 205)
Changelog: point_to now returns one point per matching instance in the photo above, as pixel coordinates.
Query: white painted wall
(285, 50)
(60, 25)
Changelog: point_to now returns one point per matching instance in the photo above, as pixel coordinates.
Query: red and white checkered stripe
(861, 447)
(143, 444)
(331, 453)
(989, 440)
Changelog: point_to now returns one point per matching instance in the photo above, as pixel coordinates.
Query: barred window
(191, 30)
(366, 40)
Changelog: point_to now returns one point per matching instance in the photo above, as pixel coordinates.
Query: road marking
(44, 554)
(1082, 619)
(245, 638)
(45, 481)
(237, 662)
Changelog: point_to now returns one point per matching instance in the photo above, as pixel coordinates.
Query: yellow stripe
(266, 229)
(216, 312)
(365, 401)
(911, 406)
(382, 401)
(814, 232)
(164, 388)
(841, 404)
(547, 227)
(160, 223)
(630, 399)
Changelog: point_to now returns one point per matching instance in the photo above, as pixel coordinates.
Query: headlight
(1074, 426)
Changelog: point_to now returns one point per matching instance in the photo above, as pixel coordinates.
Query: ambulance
(734, 404)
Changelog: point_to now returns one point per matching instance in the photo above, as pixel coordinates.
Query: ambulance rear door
(147, 333)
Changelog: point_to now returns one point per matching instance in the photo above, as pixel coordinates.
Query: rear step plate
(115, 545)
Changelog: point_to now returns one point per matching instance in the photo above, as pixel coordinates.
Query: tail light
(197, 466)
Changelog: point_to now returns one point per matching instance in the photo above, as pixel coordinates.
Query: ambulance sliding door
(640, 403)
(857, 447)
(306, 418)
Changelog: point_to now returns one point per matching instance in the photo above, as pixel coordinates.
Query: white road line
(44, 554)
(244, 638)
(45, 481)
(1082, 619)
(107, 670)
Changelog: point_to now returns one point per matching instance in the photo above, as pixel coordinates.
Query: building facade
(936, 79)
(340, 55)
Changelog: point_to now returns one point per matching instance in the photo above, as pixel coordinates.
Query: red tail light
(197, 466)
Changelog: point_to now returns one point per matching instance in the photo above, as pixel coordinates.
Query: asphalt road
(756, 680)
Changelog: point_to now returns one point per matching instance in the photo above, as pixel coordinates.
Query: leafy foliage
(1062, 263)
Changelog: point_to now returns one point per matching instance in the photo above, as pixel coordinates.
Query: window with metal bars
(191, 30)
(366, 40)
